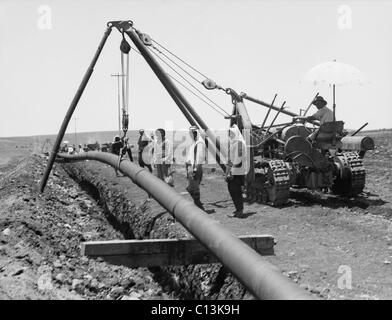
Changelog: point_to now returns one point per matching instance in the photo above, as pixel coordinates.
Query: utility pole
(118, 100)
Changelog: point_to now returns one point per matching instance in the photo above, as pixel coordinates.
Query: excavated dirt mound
(40, 237)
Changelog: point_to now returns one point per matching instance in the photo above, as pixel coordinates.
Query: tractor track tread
(281, 178)
(358, 173)
(357, 177)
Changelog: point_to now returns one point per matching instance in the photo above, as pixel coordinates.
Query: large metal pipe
(71, 109)
(176, 94)
(261, 278)
(271, 106)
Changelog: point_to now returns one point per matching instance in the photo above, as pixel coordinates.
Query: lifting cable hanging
(125, 49)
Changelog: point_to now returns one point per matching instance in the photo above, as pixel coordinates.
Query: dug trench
(40, 237)
(129, 210)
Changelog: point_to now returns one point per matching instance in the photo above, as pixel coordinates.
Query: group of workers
(157, 151)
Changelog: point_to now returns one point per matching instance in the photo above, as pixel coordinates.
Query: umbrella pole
(334, 104)
(334, 117)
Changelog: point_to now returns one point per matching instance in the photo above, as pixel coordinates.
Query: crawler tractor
(282, 156)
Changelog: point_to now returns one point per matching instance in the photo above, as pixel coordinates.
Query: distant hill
(91, 137)
(103, 137)
(81, 137)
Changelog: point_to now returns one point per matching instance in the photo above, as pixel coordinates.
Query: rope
(219, 107)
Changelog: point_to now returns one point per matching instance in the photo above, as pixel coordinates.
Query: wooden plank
(165, 252)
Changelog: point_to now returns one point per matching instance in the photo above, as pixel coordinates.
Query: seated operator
(323, 114)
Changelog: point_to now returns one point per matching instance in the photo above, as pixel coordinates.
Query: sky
(257, 47)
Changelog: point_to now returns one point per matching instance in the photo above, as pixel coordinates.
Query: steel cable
(187, 64)
(219, 107)
(195, 94)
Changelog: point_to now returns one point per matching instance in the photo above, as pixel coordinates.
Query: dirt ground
(319, 235)
(321, 239)
(40, 237)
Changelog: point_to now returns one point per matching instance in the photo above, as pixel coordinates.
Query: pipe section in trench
(261, 278)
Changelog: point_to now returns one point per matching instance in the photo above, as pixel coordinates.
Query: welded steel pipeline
(261, 278)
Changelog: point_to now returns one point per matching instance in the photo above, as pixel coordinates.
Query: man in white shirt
(194, 165)
(163, 157)
(236, 169)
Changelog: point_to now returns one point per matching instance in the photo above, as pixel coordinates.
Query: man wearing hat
(323, 114)
(144, 151)
(116, 148)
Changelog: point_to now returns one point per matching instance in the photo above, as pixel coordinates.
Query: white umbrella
(334, 74)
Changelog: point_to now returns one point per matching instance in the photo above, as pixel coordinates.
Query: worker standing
(116, 145)
(116, 148)
(126, 149)
(144, 150)
(194, 165)
(236, 169)
(70, 150)
(163, 156)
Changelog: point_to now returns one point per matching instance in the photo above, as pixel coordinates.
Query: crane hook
(124, 46)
